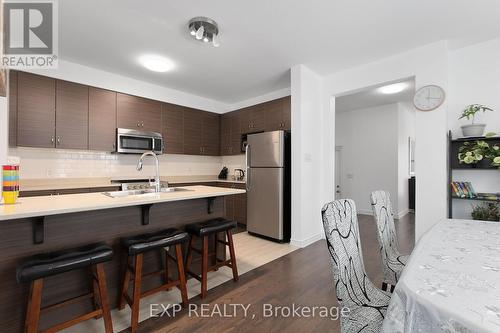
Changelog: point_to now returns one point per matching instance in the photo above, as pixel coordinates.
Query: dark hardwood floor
(302, 277)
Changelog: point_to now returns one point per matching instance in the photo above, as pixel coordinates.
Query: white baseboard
(365, 212)
(307, 241)
(401, 214)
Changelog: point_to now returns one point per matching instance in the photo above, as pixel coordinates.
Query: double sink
(150, 191)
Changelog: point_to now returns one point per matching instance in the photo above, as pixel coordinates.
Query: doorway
(373, 129)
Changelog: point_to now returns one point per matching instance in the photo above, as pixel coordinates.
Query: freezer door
(265, 202)
(266, 149)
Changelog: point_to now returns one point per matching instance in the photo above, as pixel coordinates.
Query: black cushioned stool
(41, 266)
(203, 230)
(136, 246)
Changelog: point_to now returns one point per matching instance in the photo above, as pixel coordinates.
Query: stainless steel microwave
(130, 141)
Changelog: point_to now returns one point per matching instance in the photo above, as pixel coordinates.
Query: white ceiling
(371, 97)
(260, 39)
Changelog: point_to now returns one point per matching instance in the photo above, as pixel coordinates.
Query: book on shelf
(463, 190)
(489, 196)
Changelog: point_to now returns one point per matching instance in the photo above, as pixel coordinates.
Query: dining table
(451, 282)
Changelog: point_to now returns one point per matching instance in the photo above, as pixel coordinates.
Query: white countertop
(72, 203)
(90, 182)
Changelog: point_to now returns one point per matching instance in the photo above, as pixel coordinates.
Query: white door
(338, 172)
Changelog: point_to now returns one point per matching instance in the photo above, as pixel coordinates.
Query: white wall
(260, 99)
(475, 78)
(406, 129)
(369, 141)
(429, 65)
(98, 78)
(307, 160)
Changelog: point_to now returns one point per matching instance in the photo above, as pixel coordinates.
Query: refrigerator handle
(247, 162)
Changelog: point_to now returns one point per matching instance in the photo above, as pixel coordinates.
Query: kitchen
(54, 122)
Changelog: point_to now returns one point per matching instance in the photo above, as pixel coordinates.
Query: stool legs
(204, 267)
(135, 300)
(34, 304)
(101, 302)
(137, 292)
(182, 276)
(232, 255)
(103, 297)
(126, 280)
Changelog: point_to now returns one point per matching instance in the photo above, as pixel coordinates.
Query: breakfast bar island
(50, 223)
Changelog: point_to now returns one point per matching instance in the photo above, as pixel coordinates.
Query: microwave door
(135, 144)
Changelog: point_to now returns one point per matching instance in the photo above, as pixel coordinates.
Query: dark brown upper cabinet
(252, 119)
(102, 119)
(201, 132)
(192, 132)
(173, 128)
(36, 110)
(72, 115)
(277, 114)
(12, 108)
(230, 134)
(138, 113)
(210, 134)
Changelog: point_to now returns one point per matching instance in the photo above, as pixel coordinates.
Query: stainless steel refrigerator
(268, 185)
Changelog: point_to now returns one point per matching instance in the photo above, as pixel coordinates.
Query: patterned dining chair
(354, 290)
(393, 262)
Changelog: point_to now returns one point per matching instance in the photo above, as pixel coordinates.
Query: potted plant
(470, 112)
(473, 152)
(486, 212)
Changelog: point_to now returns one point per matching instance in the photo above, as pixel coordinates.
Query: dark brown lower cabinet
(236, 205)
(40, 193)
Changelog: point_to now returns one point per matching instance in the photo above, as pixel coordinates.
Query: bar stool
(136, 246)
(38, 267)
(204, 230)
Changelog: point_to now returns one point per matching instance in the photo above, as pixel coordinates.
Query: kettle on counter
(239, 174)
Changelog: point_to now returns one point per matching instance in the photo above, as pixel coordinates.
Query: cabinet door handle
(58, 140)
(142, 124)
(138, 124)
(52, 139)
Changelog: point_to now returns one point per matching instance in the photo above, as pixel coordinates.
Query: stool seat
(47, 264)
(210, 227)
(146, 242)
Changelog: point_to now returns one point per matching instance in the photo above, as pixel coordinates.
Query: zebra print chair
(393, 262)
(354, 289)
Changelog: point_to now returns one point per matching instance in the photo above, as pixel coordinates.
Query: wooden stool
(41, 266)
(136, 246)
(203, 230)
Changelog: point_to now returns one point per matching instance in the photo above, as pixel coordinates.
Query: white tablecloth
(451, 282)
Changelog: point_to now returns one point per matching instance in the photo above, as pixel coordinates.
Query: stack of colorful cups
(10, 184)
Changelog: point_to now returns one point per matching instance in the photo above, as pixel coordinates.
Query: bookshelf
(454, 166)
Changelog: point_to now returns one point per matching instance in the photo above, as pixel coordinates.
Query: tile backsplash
(54, 163)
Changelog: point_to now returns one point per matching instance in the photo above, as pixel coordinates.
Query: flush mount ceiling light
(156, 63)
(204, 29)
(393, 88)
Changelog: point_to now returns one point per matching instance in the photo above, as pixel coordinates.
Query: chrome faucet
(157, 182)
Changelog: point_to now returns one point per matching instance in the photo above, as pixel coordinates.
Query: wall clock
(429, 98)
